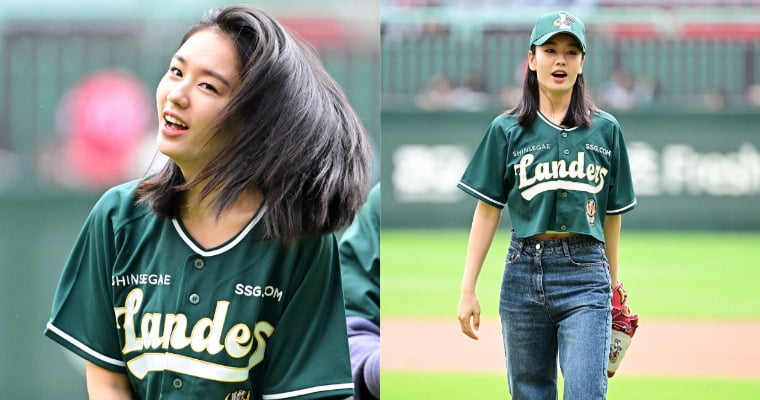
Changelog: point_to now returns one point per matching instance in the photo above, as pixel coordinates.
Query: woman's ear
(531, 61)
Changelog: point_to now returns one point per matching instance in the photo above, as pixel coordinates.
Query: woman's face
(200, 81)
(557, 64)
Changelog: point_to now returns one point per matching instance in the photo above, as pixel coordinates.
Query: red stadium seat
(721, 31)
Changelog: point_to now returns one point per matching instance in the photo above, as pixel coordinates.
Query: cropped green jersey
(249, 319)
(554, 179)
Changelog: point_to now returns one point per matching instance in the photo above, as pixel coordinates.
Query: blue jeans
(555, 301)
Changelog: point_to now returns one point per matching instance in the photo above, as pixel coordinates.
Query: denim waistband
(569, 243)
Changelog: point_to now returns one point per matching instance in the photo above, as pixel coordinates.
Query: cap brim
(546, 37)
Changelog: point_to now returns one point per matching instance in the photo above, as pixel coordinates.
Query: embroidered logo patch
(564, 21)
(591, 211)
(238, 395)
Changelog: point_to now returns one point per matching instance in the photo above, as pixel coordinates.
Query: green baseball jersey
(360, 261)
(554, 179)
(249, 319)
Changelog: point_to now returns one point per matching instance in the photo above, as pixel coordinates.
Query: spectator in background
(617, 93)
(753, 95)
(438, 95)
(645, 91)
(360, 268)
(471, 94)
(714, 100)
(441, 94)
(624, 91)
(103, 123)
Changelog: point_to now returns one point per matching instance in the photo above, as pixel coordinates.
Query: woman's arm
(484, 224)
(103, 384)
(612, 224)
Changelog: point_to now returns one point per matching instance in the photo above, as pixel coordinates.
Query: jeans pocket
(587, 256)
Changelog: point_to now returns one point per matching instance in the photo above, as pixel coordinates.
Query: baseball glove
(624, 325)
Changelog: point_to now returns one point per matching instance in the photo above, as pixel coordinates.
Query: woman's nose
(178, 96)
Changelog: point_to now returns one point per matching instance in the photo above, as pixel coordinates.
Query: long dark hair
(578, 113)
(288, 132)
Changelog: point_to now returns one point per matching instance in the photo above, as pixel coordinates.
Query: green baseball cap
(558, 22)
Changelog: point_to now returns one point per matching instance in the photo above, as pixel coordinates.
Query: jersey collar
(224, 247)
(553, 125)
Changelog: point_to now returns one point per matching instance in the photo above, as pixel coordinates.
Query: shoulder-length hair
(288, 131)
(578, 113)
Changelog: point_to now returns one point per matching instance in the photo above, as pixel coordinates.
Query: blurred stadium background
(77, 115)
(681, 76)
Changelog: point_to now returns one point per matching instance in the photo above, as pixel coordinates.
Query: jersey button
(194, 298)
(177, 383)
(563, 227)
(199, 263)
(564, 194)
(564, 134)
(566, 152)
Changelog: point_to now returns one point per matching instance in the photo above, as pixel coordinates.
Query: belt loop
(566, 247)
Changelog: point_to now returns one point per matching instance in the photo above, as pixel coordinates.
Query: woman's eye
(175, 71)
(208, 87)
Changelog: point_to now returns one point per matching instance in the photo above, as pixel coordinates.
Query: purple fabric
(364, 345)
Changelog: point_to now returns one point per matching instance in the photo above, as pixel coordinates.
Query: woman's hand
(469, 314)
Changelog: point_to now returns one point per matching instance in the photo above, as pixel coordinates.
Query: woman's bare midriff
(552, 235)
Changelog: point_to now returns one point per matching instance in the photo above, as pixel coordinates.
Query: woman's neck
(554, 107)
(209, 227)
(194, 206)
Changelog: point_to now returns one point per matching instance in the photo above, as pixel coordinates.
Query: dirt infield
(682, 348)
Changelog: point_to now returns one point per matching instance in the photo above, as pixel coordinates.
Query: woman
(218, 277)
(561, 166)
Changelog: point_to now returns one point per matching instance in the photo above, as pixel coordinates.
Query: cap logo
(564, 21)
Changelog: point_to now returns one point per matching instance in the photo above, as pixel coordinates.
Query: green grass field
(400, 386)
(674, 275)
(667, 275)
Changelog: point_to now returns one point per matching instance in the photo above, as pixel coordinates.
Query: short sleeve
(621, 197)
(82, 317)
(360, 261)
(309, 356)
(485, 176)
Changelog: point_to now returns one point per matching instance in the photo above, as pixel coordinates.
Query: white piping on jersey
(310, 390)
(150, 362)
(482, 195)
(535, 190)
(620, 210)
(63, 335)
(553, 125)
(231, 244)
